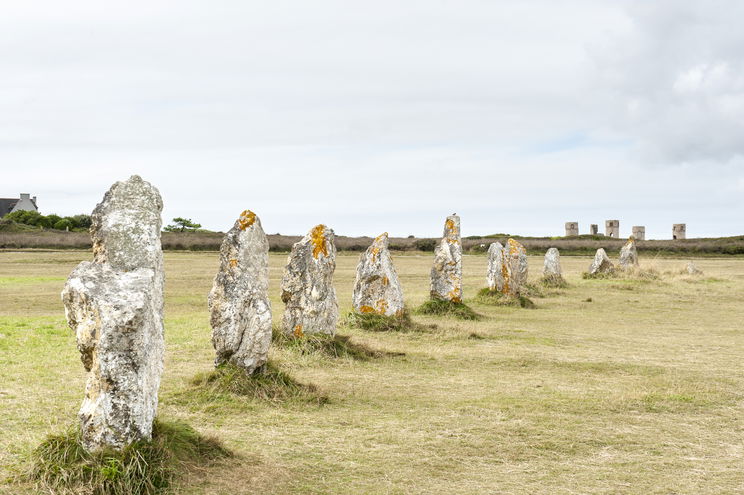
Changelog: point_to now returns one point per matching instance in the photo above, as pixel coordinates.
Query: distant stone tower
(679, 231)
(612, 228)
(639, 232)
(572, 228)
(594, 229)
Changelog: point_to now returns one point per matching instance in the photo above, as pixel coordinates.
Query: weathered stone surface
(572, 228)
(377, 288)
(679, 231)
(629, 254)
(552, 264)
(507, 268)
(639, 232)
(446, 274)
(495, 273)
(594, 229)
(515, 263)
(612, 228)
(239, 299)
(307, 286)
(601, 263)
(115, 306)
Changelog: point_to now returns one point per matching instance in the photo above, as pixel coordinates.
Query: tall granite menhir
(115, 306)
(239, 299)
(377, 288)
(446, 274)
(307, 286)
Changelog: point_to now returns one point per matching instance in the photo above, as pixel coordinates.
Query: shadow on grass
(61, 464)
(328, 346)
(495, 298)
(440, 307)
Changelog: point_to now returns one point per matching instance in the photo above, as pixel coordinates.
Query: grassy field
(608, 387)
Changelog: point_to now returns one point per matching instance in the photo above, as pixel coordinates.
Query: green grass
(639, 392)
(383, 323)
(61, 465)
(441, 307)
(496, 298)
(229, 384)
(326, 346)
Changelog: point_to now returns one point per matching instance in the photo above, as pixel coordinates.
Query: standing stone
(377, 289)
(239, 299)
(307, 286)
(629, 254)
(692, 269)
(552, 266)
(515, 268)
(446, 274)
(495, 273)
(601, 263)
(115, 306)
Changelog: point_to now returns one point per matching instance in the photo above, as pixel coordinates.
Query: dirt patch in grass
(61, 464)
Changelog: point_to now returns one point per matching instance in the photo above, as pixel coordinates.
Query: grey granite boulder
(495, 272)
(239, 299)
(601, 263)
(446, 274)
(307, 286)
(629, 254)
(115, 306)
(377, 288)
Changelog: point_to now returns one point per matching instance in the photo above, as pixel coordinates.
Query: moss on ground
(496, 298)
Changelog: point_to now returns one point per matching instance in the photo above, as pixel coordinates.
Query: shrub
(425, 244)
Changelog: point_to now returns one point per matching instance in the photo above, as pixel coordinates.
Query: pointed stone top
(452, 229)
(514, 246)
(125, 226)
(246, 220)
(321, 238)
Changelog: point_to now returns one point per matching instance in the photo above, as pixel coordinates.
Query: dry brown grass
(638, 392)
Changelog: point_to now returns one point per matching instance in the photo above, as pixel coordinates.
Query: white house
(25, 202)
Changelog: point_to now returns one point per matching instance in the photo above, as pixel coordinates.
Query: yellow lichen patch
(317, 238)
(505, 276)
(382, 306)
(452, 296)
(375, 252)
(298, 331)
(366, 309)
(385, 280)
(233, 262)
(381, 236)
(247, 218)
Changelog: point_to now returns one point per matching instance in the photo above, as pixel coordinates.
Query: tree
(182, 225)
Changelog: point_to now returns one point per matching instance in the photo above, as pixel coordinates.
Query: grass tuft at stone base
(440, 307)
(553, 282)
(496, 298)
(327, 346)
(383, 323)
(270, 384)
(61, 464)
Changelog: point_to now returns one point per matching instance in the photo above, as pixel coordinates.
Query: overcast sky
(382, 115)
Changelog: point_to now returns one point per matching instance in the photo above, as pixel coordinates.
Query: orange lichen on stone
(366, 309)
(375, 252)
(298, 331)
(233, 262)
(317, 238)
(452, 296)
(247, 218)
(382, 306)
(385, 281)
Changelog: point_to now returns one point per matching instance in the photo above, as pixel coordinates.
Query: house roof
(6, 205)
